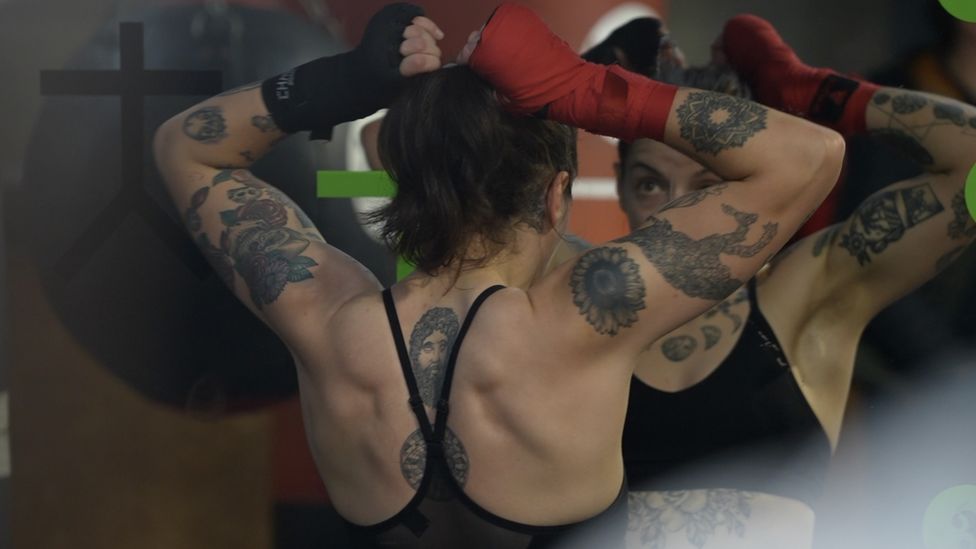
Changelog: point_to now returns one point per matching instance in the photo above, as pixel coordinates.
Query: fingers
(427, 25)
(419, 63)
(420, 44)
(419, 47)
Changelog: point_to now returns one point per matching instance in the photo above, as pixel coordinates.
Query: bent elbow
(835, 146)
(163, 141)
(822, 160)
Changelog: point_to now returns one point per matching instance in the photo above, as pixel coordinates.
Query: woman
(524, 453)
(760, 381)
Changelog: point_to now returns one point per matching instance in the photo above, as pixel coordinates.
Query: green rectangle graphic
(345, 184)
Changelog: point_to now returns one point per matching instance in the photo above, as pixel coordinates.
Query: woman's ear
(558, 199)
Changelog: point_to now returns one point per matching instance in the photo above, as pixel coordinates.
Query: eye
(648, 185)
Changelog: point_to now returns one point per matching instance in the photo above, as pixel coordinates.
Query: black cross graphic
(132, 83)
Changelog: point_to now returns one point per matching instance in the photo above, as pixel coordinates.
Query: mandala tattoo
(905, 144)
(413, 463)
(881, 98)
(712, 335)
(693, 198)
(678, 348)
(908, 103)
(962, 224)
(206, 125)
(192, 217)
(885, 217)
(694, 266)
(825, 240)
(712, 122)
(431, 342)
(264, 123)
(608, 289)
(656, 516)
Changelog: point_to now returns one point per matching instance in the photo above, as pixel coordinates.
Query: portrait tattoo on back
(695, 266)
(884, 218)
(431, 342)
(608, 289)
(713, 122)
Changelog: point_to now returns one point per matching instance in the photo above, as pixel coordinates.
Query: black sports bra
(746, 426)
(441, 515)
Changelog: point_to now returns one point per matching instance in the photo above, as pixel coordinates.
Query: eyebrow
(647, 167)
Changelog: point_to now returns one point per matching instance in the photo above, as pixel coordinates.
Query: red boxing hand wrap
(534, 70)
(782, 81)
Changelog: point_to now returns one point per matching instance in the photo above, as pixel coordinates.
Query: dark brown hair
(464, 169)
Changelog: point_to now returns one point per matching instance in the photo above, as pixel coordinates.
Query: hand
(524, 61)
(777, 76)
(419, 47)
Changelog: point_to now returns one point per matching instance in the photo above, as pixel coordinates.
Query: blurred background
(141, 406)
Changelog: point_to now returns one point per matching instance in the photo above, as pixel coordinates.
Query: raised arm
(696, 250)
(259, 241)
(904, 234)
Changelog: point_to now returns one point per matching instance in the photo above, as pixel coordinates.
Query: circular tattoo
(679, 348)
(457, 467)
(908, 103)
(712, 335)
(608, 289)
(881, 98)
(904, 143)
(206, 125)
(953, 113)
(413, 463)
(413, 459)
(713, 122)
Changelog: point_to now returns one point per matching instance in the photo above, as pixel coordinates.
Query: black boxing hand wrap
(331, 90)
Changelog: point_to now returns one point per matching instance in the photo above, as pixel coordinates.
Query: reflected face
(654, 174)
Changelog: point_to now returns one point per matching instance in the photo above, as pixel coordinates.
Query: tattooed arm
(906, 233)
(700, 248)
(258, 241)
(262, 245)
